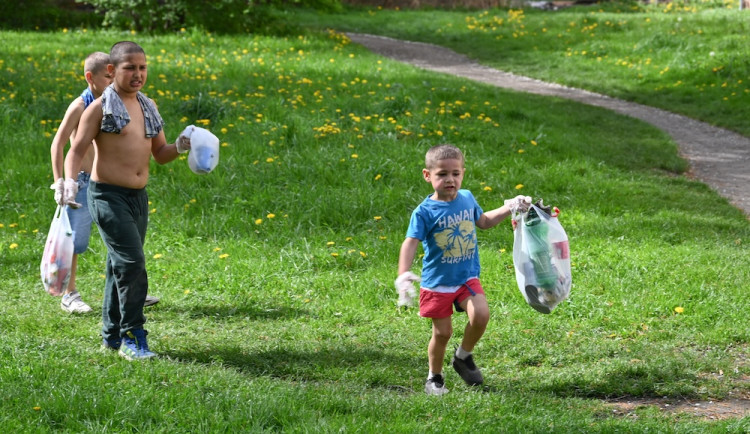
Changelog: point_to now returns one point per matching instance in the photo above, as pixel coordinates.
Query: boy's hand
(518, 204)
(183, 140)
(405, 287)
(183, 144)
(59, 187)
(67, 195)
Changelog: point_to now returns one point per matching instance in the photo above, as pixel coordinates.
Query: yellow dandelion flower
(258, 221)
(362, 254)
(355, 156)
(153, 210)
(187, 291)
(378, 176)
(37, 408)
(330, 243)
(487, 188)
(679, 309)
(12, 225)
(349, 238)
(334, 254)
(224, 144)
(158, 255)
(271, 215)
(519, 186)
(533, 142)
(521, 151)
(224, 256)
(377, 218)
(269, 160)
(13, 246)
(2, 225)
(217, 249)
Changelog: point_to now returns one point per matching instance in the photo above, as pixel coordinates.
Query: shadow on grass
(231, 311)
(643, 381)
(373, 367)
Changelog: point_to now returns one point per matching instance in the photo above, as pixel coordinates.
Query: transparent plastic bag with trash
(541, 257)
(204, 149)
(57, 258)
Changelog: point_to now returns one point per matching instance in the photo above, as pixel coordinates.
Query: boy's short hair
(442, 152)
(95, 62)
(123, 49)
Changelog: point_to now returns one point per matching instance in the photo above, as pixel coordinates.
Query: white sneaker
(435, 386)
(72, 303)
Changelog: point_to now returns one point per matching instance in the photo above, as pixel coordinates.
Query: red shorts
(440, 304)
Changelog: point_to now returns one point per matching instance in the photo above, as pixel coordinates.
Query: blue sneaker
(113, 344)
(134, 345)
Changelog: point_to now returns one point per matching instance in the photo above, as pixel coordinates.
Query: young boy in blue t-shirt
(445, 223)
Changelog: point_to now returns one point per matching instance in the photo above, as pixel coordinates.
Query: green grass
(276, 271)
(679, 56)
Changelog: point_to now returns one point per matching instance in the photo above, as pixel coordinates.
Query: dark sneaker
(112, 344)
(150, 301)
(135, 347)
(467, 370)
(435, 385)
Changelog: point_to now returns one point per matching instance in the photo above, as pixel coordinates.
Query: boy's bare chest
(136, 126)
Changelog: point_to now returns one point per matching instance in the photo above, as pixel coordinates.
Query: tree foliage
(220, 16)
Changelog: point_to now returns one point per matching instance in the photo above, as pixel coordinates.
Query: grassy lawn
(276, 271)
(682, 57)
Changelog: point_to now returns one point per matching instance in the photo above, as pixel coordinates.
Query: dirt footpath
(718, 157)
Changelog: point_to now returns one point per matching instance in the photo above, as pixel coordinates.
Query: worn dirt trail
(718, 157)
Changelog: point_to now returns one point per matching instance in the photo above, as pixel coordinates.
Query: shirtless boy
(127, 131)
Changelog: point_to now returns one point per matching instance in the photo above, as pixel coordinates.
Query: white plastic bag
(541, 257)
(57, 258)
(204, 149)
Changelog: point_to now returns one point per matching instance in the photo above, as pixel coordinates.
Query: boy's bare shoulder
(77, 105)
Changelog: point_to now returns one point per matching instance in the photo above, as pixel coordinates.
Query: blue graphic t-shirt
(88, 97)
(449, 239)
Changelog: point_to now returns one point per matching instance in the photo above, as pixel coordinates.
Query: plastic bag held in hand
(541, 257)
(405, 287)
(57, 258)
(204, 149)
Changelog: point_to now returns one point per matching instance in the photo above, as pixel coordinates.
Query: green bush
(44, 15)
(219, 16)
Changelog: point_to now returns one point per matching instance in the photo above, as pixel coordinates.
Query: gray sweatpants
(122, 217)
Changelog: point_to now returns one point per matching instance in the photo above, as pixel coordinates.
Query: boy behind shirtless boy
(96, 75)
(127, 130)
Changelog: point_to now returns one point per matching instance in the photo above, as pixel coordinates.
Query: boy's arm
(492, 218)
(407, 254)
(88, 128)
(63, 134)
(164, 153)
